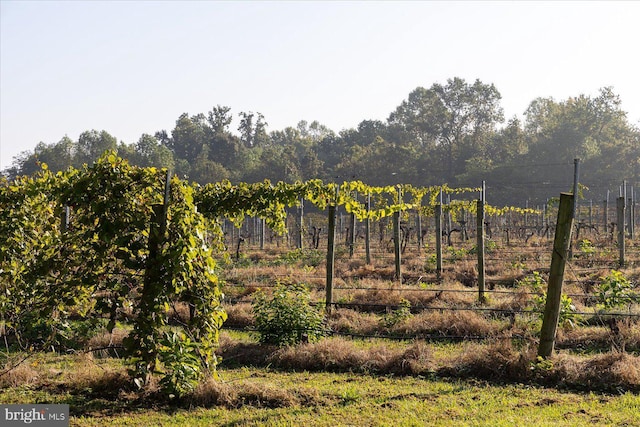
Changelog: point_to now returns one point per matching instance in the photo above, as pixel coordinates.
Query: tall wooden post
(439, 240)
(556, 275)
(480, 245)
(367, 237)
(331, 244)
(300, 236)
(480, 250)
(620, 208)
(396, 245)
(352, 234)
(419, 225)
(605, 216)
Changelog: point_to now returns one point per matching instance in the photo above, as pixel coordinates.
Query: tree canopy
(453, 133)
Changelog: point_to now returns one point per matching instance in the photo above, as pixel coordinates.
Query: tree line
(453, 133)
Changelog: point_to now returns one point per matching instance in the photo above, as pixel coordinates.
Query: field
(421, 352)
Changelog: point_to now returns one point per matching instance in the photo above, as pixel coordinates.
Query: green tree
(93, 144)
(455, 119)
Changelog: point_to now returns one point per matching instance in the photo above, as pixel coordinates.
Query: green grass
(349, 399)
(263, 396)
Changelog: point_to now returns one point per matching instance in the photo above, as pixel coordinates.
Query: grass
(263, 396)
(594, 377)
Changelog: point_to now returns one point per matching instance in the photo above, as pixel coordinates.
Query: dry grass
(614, 371)
(342, 355)
(239, 315)
(211, 392)
(105, 344)
(497, 361)
(350, 321)
(16, 373)
(460, 323)
(259, 394)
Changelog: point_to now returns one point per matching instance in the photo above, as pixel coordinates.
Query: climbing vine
(138, 242)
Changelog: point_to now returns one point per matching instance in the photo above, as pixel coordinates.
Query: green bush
(615, 290)
(400, 314)
(287, 316)
(307, 257)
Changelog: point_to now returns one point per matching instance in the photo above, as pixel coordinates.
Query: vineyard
(182, 281)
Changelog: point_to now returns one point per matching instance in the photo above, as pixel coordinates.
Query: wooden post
(261, 231)
(605, 216)
(331, 243)
(480, 250)
(301, 224)
(367, 237)
(419, 226)
(556, 275)
(65, 218)
(396, 244)
(620, 216)
(630, 225)
(352, 234)
(439, 240)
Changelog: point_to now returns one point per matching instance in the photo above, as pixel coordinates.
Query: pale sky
(132, 67)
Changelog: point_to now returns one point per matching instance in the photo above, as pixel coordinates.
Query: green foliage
(92, 269)
(586, 248)
(287, 316)
(533, 281)
(179, 355)
(456, 254)
(615, 290)
(399, 315)
(568, 315)
(307, 257)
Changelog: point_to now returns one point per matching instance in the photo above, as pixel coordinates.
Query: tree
(455, 119)
(253, 130)
(93, 144)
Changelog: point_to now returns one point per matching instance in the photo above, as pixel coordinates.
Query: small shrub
(287, 317)
(534, 281)
(615, 290)
(586, 248)
(307, 257)
(400, 314)
(568, 315)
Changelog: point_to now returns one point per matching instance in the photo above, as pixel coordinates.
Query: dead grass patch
(213, 392)
(239, 315)
(613, 371)
(15, 374)
(342, 355)
(351, 321)
(458, 323)
(498, 361)
(107, 344)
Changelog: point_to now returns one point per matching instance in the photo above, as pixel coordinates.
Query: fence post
(620, 218)
(480, 249)
(301, 224)
(331, 243)
(396, 244)
(65, 218)
(556, 275)
(439, 240)
(630, 225)
(419, 226)
(352, 234)
(367, 237)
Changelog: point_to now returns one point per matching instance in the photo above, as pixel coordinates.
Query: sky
(133, 67)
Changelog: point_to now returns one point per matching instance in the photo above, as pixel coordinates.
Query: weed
(287, 317)
(615, 290)
(399, 315)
